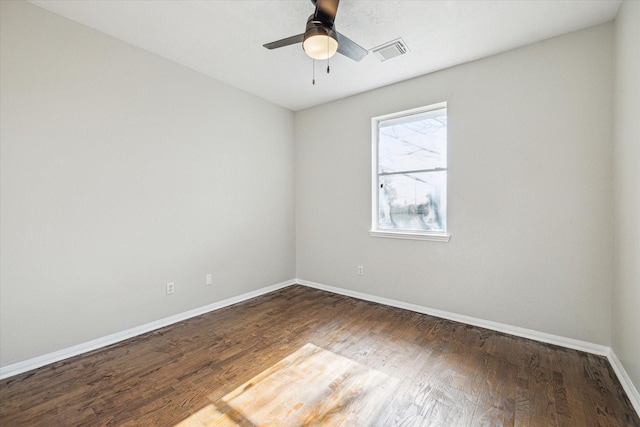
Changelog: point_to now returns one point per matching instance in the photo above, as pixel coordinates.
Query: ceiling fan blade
(285, 42)
(328, 9)
(350, 49)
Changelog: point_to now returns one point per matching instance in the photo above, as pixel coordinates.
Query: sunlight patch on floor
(310, 386)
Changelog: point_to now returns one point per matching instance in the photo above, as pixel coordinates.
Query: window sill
(434, 237)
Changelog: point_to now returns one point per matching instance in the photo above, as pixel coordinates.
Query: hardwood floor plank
(442, 373)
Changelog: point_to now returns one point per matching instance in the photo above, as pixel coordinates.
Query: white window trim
(433, 236)
(427, 235)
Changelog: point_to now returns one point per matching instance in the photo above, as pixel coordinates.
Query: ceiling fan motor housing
(317, 27)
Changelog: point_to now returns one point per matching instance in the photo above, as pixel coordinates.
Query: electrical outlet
(360, 270)
(171, 287)
(208, 279)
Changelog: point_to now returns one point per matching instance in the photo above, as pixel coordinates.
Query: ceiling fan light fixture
(319, 43)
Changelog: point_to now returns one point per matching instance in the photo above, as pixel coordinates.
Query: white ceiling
(223, 38)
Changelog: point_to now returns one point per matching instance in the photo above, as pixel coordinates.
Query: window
(410, 174)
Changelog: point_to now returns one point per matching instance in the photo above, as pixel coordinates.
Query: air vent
(390, 50)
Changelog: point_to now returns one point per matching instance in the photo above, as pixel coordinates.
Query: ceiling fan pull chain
(313, 72)
(328, 56)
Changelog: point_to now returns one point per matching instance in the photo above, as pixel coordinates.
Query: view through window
(410, 183)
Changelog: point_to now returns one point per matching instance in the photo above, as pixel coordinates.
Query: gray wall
(626, 185)
(529, 191)
(122, 171)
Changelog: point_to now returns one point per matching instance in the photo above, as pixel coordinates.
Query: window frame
(437, 236)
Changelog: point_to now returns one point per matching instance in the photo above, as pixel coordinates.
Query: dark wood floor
(444, 373)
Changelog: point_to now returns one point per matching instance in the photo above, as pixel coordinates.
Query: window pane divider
(412, 171)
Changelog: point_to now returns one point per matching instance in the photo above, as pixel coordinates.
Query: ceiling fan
(320, 39)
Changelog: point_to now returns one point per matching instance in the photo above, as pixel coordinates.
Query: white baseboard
(495, 326)
(627, 384)
(56, 356)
